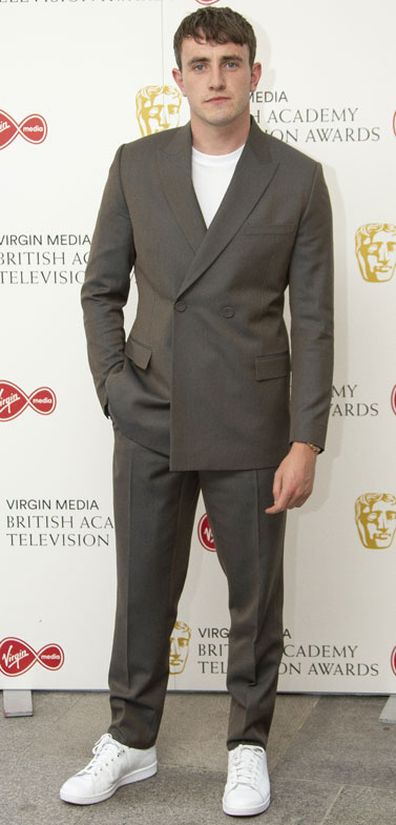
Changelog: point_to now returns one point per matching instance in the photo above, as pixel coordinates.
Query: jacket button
(228, 312)
(180, 306)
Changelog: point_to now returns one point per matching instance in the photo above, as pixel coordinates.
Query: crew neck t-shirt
(211, 177)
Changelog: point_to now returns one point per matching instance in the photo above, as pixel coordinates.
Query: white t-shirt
(211, 177)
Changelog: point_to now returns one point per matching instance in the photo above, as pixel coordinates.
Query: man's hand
(293, 480)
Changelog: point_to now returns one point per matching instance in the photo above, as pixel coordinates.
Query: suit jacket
(204, 373)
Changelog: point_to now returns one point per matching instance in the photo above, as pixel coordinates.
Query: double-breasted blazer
(204, 373)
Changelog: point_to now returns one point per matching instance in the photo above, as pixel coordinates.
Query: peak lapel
(253, 174)
(174, 162)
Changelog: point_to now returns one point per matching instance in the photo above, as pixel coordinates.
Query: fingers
(288, 498)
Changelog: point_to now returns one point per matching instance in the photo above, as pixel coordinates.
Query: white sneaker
(247, 791)
(113, 765)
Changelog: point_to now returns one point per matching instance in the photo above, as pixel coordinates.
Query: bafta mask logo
(375, 516)
(158, 108)
(376, 251)
(179, 647)
(205, 534)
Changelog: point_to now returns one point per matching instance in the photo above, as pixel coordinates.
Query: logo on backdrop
(205, 534)
(375, 245)
(16, 656)
(375, 516)
(33, 128)
(394, 124)
(157, 108)
(13, 401)
(207, 2)
(179, 647)
(393, 660)
(393, 399)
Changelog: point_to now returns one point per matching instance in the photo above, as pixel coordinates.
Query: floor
(332, 762)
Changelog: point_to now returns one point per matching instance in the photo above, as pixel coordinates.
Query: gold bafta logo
(375, 516)
(158, 108)
(376, 251)
(179, 647)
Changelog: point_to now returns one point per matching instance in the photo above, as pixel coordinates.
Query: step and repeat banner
(80, 77)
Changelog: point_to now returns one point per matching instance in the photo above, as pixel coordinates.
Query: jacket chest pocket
(264, 229)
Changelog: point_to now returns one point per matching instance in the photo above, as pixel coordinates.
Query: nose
(382, 523)
(164, 119)
(217, 81)
(383, 254)
(174, 653)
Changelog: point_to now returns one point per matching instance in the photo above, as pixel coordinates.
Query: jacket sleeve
(311, 308)
(107, 282)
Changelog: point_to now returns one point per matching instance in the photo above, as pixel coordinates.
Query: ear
(178, 78)
(255, 76)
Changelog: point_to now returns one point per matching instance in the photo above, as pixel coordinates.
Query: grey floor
(331, 762)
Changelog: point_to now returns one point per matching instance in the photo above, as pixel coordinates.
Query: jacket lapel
(252, 176)
(175, 175)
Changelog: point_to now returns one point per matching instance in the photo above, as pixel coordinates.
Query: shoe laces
(245, 761)
(105, 750)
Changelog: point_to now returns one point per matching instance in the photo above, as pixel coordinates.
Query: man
(217, 219)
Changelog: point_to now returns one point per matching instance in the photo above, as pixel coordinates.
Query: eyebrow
(235, 57)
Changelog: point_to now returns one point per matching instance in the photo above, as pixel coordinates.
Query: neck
(219, 140)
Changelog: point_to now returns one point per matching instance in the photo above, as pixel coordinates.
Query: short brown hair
(217, 25)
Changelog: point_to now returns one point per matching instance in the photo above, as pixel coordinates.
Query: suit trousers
(154, 516)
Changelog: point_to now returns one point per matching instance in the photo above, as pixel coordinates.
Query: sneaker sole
(134, 776)
(258, 809)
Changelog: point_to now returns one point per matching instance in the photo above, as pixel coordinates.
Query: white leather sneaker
(247, 791)
(112, 765)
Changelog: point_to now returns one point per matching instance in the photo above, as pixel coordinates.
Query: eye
(231, 64)
(198, 67)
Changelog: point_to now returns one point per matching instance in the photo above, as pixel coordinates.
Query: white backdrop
(78, 66)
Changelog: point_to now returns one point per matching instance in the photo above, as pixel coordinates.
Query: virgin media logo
(394, 124)
(16, 656)
(33, 128)
(13, 401)
(207, 2)
(393, 399)
(393, 660)
(205, 534)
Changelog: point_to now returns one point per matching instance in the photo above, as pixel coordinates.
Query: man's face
(378, 524)
(217, 80)
(179, 643)
(161, 111)
(379, 256)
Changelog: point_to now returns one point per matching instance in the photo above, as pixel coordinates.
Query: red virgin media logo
(394, 124)
(207, 2)
(393, 399)
(32, 128)
(393, 660)
(13, 401)
(205, 534)
(16, 656)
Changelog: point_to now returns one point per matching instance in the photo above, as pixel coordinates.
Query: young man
(217, 219)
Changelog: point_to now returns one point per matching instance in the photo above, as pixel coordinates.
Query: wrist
(306, 447)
